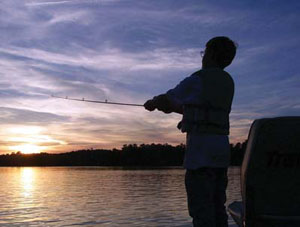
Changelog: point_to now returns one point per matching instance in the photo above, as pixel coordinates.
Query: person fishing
(204, 99)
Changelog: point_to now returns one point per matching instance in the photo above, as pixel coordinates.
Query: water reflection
(27, 181)
(69, 196)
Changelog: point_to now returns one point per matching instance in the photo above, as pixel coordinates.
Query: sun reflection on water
(27, 180)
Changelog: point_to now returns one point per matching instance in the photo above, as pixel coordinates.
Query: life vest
(211, 113)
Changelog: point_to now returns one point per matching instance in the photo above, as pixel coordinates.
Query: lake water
(84, 196)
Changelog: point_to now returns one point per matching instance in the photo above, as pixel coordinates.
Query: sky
(130, 51)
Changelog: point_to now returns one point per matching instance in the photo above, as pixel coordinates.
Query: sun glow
(31, 140)
(27, 148)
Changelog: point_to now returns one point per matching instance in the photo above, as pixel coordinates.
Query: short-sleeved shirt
(202, 149)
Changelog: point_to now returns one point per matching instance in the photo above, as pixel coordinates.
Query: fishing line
(96, 101)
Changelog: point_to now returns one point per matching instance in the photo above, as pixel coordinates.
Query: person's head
(219, 52)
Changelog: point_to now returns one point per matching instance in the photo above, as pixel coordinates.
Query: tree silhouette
(129, 155)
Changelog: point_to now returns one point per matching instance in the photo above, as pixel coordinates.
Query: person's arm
(173, 100)
(163, 103)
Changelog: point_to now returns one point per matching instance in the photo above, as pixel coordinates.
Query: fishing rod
(96, 101)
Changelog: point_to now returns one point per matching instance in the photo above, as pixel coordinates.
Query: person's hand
(166, 111)
(165, 108)
(149, 105)
(163, 104)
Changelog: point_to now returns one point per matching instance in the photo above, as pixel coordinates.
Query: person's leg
(220, 197)
(200, 187)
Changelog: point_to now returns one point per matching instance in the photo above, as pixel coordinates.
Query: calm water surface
(82, 196)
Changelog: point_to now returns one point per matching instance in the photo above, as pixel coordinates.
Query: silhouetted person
(205, 99)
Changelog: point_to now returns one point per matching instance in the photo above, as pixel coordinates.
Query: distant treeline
(128, 155)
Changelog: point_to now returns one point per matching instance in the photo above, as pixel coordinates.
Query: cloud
(48, 3)
(23, 116)
(112, 59)
(129, 51)
(81, 17)
(34, 3)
